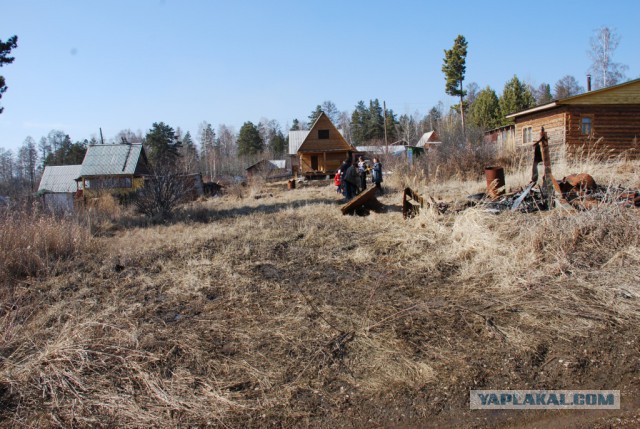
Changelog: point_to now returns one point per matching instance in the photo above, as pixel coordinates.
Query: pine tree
(359, 121)
(5, 50)
(314, 115)
(162, 146)
(277, 144)
(189, 154)
(454, 68)
(249, 140)
(485, 110)
(515, 97)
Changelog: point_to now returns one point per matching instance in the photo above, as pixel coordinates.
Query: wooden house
(58, 187)
(323, 149)
(608, 118)
(114, 168)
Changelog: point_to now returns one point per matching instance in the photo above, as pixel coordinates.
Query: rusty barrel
(495, 181)
(291, 184)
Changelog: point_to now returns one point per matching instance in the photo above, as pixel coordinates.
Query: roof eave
(534, 109)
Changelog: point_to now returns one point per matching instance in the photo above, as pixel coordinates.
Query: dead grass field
(278, 311)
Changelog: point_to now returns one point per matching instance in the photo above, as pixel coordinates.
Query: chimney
(588, 83)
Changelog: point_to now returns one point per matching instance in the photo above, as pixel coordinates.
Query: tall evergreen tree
(296, 126)
(5, 50)
(359, 121)
(375, 125)
(314, 115)
(162, 146)
(454, 68)
(189, 154)
(516, 96)
(249, 140)
(277, 144)
(485, 110)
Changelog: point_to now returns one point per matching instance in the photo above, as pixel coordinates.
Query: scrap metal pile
(574, 192)
(577, 192)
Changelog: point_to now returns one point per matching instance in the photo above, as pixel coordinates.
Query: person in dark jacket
(351, 180)
(343, 170)
(376, 175)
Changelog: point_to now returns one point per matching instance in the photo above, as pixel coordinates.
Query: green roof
(114, 160)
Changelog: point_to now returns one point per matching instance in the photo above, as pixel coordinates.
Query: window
(586, 125)
(109, 183)
(323, 134)
(526, 135)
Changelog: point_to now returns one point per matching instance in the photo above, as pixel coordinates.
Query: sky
(87, 65)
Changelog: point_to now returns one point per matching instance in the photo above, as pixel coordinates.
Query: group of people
(351, 178)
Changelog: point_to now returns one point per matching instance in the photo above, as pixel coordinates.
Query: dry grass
(278, 311)
(33, 244)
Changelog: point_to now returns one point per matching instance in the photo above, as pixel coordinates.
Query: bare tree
(128, 136)
(209, 151)
(161, 194)
(28, 161)
(566, 87)
(605, 71)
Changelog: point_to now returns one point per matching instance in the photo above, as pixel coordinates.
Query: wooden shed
(58, 187)
(114, 168)
(609, 116)
(323, 149)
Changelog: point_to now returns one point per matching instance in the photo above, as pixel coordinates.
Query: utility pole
(384, 109)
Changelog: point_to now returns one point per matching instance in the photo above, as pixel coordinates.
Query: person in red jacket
(337, 180)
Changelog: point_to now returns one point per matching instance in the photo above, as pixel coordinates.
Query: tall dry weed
(32, 244)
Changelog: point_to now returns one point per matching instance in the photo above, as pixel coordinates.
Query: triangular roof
(334, 143)
(60, 178)
(428, 138)
(624, 93)
(115, 160)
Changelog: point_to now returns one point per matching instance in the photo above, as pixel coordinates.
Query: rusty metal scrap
(412, 202)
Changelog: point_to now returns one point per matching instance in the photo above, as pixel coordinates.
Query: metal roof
(382, 150)
(273, 163)
(426, 139)
(60, 178)
(295, 140)
(111, 159)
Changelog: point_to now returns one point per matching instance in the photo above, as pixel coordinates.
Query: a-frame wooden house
(323, 150)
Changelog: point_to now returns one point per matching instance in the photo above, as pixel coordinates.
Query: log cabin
(323, 149)
(606, 120)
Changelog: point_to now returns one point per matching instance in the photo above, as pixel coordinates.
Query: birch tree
(605, 71)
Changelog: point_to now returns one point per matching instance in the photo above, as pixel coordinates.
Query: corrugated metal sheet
(60, 178)
(111, 159)
(427, 139)
(295, 140)
(381, 150)
(279, 163)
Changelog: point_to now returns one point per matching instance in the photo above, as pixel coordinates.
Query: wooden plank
(366, 198)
